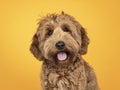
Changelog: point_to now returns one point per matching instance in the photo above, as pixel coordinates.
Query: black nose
(60, 45)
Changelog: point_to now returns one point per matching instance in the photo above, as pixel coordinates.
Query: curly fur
(73, 73)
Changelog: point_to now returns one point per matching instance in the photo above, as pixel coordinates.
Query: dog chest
(64, 80)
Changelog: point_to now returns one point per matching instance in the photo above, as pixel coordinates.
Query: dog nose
(60, 45)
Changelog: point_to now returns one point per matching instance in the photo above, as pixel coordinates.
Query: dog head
(59, 38)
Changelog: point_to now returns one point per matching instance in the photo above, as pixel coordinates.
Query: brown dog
(59, 42)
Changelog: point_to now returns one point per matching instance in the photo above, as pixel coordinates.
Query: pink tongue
(62, 56)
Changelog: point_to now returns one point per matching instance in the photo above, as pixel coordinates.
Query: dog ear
(34, 48)
(85, 41)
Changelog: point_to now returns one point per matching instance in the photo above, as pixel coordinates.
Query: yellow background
(19, 70)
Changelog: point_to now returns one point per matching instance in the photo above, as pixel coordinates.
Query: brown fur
(73, 73)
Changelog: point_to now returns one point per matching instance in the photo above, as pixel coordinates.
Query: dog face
(59, 38)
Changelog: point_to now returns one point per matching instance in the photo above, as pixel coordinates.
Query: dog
(60, 41)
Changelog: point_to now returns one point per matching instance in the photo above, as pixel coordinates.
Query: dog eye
(66, 29)
(50, 32)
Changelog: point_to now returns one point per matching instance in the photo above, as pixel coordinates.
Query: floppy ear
(34, 48)
(85, 41)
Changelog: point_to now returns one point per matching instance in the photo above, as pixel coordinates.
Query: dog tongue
(62, 56)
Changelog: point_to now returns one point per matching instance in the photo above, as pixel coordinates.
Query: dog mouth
(62, 56)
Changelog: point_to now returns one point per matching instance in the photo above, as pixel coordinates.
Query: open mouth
(62, 56)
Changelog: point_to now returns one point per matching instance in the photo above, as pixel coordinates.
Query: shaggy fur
(70, 74)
